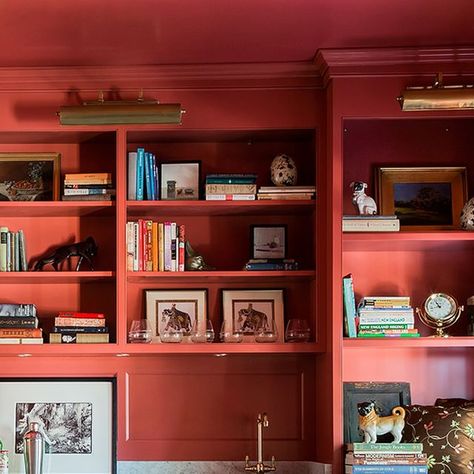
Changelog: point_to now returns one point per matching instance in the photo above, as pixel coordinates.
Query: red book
(75, 314)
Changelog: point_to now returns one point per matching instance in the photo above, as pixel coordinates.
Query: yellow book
(161, 262)
(154, 247)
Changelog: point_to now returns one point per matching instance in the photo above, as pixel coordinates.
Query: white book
(10, 340)
(387, 319)
(132, 176)
(167, 246)
(31, 340)
(174, 248)
(130, 245)
(230, 197)
(369, 225)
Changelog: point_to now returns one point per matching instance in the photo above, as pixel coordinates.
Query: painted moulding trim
(286, 75)
(364, 62)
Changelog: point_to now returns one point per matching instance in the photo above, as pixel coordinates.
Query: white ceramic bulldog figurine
(363, 203)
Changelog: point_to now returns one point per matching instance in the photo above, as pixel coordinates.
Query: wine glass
(266, 331)
(203, 331)
(140, 332)
(297, 330)
(171, 335)
(228, 334)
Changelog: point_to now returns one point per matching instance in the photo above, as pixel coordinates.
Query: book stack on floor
(143, 176)
(381, 458)
(231, 187)
(88, 187)
(286, 192)
(19, 324)
(12, 251)
(386, 316)
(363, 223)
(71, 327)
(260, 264)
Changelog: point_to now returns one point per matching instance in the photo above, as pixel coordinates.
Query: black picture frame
(268, 241)
(180, 181)
(386, 396)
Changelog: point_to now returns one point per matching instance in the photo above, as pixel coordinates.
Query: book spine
(148, 174)
(18, 322)
(16, 247)
(79, 338)
(23, 259)
(161, 258)
(167, 246)
(156, 186)
(3, 248)
(95, 322)
(141, 244)
(75, 329)
(394, 458)
(135, 246)
(21, 332)
(382, 469)
(86, 176)
(231, 179)
(31, 340)
(9, 251)
(230, 197)
(387, 335)
(76, 314)
(378, 225)
(231, 188)
(182, 249)
(129, 236)
(271, 266)
(148, 266)
(391, 448)
(174, 265)
(154, 246)
(88, 197)
(349, 306)
(86, 191)
(16, 309)
(382, 327)
(87, 186)
(140, 173)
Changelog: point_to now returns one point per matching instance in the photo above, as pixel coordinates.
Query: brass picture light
(438, 97)
(118, 112)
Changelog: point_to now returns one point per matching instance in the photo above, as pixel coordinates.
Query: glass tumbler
(140, 332)
(228, 334)
(266, 331)
(297, 330)
(203, 332)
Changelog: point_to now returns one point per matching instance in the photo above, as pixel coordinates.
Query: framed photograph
(268, 241)
(245, 310)
(423, 198)
(169, 310)
(386, 396)
(76, 416)
(29, 176)
(180, 181)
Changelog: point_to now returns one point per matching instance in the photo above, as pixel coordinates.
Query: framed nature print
(268, 241)
(175, 312)
(424, 198)
(29, 176)
(180, 181)
(386, 396)
(76, 416)
(245, 310)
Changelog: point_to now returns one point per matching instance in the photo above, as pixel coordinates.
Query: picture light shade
(120, 112)
(438, 98)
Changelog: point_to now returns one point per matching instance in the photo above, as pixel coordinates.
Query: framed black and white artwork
(76, 417)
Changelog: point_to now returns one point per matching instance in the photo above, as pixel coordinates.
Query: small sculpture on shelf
(467, 215)
(194, 261)
(283, 171)
(372, 424)
(85, 250)
(364, 204)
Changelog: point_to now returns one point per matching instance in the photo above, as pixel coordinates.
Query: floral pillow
(447, 434)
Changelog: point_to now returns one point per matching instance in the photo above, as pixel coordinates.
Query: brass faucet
(262, 422)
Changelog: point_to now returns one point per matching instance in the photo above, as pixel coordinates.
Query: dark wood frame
(386, 395)
(253, 228)
(163, 187)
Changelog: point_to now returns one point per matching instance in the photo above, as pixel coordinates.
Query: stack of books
(155, 246)
(370, 223)
(380, 458)
(88, 187)
(286, 192)
(260, 264)
(71, 327)
(143, 176)
(386, 316)
(19, 324)
(12, 251)
(231, 187)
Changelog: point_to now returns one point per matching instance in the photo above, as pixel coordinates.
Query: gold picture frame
(423, 198)
(29, 176)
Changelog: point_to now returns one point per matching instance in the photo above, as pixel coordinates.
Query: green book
(387, 336)
(385, 447)
(363, 327)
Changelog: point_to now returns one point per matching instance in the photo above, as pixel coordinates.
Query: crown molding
(193, 76)
(332, 63)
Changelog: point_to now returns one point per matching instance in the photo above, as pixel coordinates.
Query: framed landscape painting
(423, 198)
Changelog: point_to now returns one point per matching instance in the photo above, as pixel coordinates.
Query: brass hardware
(262, 422)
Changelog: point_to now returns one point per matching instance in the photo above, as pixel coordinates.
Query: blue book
(387, 468)
(148, 176)
(350, 311)
(140, 173)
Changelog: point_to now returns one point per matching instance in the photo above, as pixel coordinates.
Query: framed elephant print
(248, 310)
(174, 313)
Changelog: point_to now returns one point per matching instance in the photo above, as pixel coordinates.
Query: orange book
(21, 332)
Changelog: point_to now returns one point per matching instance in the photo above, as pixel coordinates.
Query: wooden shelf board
(56, 208)
(408, 236)
(219, 208)
(55, 277)
(396, 343)
(137, 277)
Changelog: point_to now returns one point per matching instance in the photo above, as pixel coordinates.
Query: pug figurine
(373, 425)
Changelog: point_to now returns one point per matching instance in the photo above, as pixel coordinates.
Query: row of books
(155, 246)
(286, 192)
(88, 187)
(230, 187)
(12, 251)
(366, 223)
(143, 176)
(262, 264)
(19, 324)
(381, 458)
(71, 327)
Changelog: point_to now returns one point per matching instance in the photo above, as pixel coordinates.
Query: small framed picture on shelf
(423, 198)
(268, 241)
(29, 176)
(248, 311)
(173, 313)
(180, 181)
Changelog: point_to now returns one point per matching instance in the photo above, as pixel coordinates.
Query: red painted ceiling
(120, 32)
